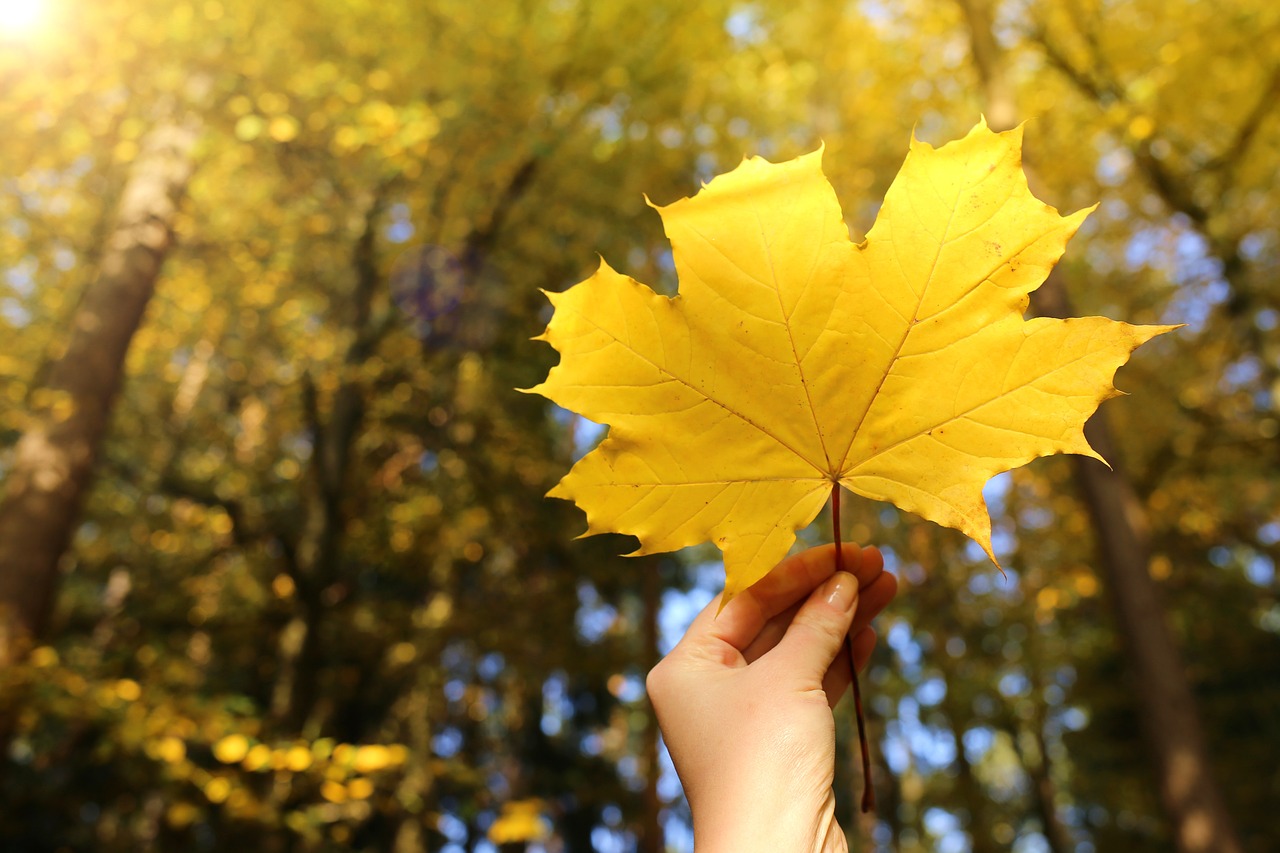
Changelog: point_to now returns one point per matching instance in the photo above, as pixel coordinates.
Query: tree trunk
(54, 458)
(315, 559)
(1171, 726)
(1190, 796)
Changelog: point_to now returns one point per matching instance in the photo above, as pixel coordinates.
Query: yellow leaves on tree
(793, 359)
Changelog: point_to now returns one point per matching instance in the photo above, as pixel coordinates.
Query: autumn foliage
(310, 596)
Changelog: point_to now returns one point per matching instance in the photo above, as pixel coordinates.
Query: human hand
(744, 701)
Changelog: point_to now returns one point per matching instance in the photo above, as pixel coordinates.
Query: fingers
(817, 633)
(871, 601)
(744, 618)
(872, 598)
(876, 588)
(754, 622)
(836, 680)
(771, 633)
(864, 643)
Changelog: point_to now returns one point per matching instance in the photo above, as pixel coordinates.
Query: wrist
(786, 826)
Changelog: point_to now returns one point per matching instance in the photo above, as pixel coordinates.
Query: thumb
(817, 634)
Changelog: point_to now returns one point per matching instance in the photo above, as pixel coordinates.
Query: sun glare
(20, 16)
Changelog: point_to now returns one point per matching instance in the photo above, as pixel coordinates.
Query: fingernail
(841, 590)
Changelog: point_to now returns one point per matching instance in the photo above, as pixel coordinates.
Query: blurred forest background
(276, 572)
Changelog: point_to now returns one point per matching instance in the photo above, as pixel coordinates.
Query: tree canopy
(312, 596)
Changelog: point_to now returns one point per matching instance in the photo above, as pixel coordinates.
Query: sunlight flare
(18, 17)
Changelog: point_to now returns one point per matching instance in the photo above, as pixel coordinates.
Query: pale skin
(744, 702)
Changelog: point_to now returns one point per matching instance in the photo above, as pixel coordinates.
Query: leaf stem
(868, 792)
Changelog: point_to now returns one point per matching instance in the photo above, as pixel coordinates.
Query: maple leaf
(792, 359)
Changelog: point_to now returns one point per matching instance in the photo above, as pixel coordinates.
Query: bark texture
(54, 459)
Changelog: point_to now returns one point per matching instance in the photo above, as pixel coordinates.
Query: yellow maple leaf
(793, 359)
